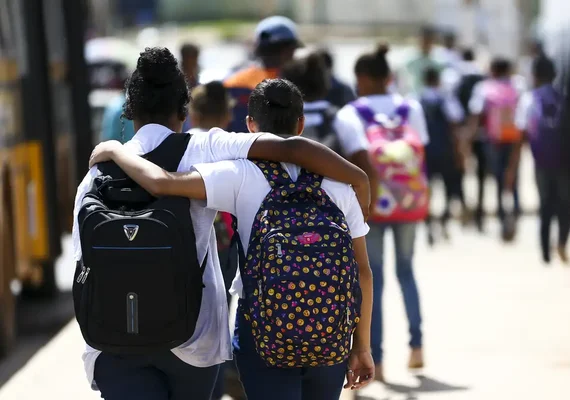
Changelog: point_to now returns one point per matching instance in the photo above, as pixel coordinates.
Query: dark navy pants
(159, 377)
(262, 382)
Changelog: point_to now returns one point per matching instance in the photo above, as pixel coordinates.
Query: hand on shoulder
(104, 152)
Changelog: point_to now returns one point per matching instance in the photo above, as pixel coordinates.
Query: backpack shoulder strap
(274, 173)
(364, 111)
(170, 152)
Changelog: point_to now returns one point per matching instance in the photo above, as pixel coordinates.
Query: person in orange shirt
(276, 39)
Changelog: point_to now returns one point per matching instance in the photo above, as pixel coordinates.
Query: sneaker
(416, 359)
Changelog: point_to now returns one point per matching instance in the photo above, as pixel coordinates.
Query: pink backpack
(397, 154)
(500, 107)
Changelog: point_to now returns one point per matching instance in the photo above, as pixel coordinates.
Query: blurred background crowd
(456, 59)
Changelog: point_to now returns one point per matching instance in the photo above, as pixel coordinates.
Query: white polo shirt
(239, 188)
(210, 345)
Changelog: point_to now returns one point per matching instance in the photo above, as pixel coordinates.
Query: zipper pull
(85, 276)
(259, 286)
(80, 277)
(348, 316)
(279, 251)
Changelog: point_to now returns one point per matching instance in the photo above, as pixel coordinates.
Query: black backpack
(325, 132)
(465, 89)
(439, 129)
(138, 288)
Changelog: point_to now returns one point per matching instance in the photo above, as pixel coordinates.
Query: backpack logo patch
(131, 231)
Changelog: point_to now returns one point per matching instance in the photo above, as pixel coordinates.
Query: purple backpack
(544, 128)
(300, 277)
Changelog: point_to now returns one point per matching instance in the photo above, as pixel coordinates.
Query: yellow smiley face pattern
(300, 276)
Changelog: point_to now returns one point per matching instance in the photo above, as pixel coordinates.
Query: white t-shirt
(239, 187)
(210, 345)
(479, 95)
(350, 126)
(524, 110)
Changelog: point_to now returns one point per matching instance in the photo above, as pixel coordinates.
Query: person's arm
(522, 118)
(151, 177)
(362, 333)
(362, 160)
(455, 115)
(314, 157)
(361, 362)
(476, 108)
(305, 153)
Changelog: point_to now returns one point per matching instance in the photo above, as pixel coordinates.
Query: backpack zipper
(85, 276)
(279, 251)
(80, 277)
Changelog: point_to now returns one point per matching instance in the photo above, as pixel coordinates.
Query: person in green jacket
(411, 77)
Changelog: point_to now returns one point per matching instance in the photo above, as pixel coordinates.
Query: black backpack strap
(170, 152)
(115, 186)
(274, 173)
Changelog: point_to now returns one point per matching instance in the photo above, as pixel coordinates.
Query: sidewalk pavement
(496, 327)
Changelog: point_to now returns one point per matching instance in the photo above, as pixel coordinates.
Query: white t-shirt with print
(351, 129)
(210, 345)
(239, 187)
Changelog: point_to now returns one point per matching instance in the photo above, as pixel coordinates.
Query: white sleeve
(522, 113)
(350, 131)
(223, 181)
(418, 121)
(222, 145)
(453, 109)
(81, 192)
(353, 215)
(477, 101)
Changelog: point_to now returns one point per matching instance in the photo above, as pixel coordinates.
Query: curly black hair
(157, 89)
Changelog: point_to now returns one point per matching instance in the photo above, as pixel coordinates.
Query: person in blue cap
(276, 39)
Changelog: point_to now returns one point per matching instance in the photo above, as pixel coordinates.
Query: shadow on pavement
(426, 385)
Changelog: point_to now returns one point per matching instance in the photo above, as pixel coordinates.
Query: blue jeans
(404, 238)
(155, 377)
(500, 155)
(262, 382)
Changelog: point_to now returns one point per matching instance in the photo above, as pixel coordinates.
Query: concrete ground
(496, 326)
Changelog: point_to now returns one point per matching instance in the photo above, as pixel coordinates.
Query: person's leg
(186, 381)
(404, 237)
(546, 196)
(375, 245)
(497, 154)
(563, 214)
(450, 184)
(480, 153)
(129, 378)
(429, 218)
(259, 381)
(323, 383)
